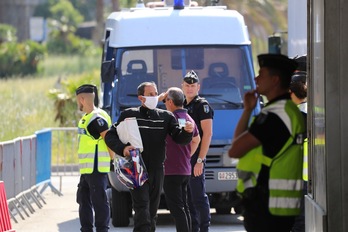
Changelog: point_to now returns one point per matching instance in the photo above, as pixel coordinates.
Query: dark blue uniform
(199, 109)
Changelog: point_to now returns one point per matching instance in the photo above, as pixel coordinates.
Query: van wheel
(120, 208)
(223, 210)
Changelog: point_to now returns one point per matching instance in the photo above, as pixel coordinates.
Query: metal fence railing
(27, 164)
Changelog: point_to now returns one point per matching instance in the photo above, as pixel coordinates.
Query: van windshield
(225, 72)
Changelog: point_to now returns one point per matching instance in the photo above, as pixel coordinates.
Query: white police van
(162, 44)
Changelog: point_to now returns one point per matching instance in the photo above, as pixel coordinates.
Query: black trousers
(175, 190)
(91, 195)
(257, 217)
(199, 204)
(146, 200)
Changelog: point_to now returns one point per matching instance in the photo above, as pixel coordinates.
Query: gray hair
(176, 95)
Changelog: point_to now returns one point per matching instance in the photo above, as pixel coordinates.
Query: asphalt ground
(60, 213)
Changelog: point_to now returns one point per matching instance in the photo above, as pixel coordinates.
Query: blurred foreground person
(270, 150)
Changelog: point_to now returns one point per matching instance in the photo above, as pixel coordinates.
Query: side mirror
(108, 71)
(274, 44)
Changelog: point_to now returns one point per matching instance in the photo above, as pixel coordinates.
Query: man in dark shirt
(154, 126)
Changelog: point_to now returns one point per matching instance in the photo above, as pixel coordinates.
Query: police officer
(201, 112)
(94, 162)
(270, 150)
(298, 93)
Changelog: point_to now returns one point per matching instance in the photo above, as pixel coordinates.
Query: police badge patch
(206, 109)
(100, 121)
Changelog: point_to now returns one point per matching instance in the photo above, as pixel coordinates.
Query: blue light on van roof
(179, 4)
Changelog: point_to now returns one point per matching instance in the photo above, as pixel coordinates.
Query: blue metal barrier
(26, 166)
(43, 155)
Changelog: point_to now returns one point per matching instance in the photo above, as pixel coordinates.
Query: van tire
(120, 204)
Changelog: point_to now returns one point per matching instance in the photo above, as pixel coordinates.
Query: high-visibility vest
(305, 160)
(285, 182)
(88, 144)
(303, 108)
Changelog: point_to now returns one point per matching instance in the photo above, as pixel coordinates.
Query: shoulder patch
(206, 108)
(100, 121)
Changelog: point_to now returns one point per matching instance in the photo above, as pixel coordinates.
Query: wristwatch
(199, 160)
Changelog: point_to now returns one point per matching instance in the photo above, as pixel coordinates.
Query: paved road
(61, 214)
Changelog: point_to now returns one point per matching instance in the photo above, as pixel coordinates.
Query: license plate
(227, 176)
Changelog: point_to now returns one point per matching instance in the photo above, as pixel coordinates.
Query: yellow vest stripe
(284, 202)
(281, 184)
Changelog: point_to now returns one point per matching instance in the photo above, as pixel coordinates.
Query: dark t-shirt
(199, 109)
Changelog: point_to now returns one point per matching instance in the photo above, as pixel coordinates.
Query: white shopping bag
(128, 132)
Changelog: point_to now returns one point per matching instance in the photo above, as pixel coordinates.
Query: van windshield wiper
(217, 97)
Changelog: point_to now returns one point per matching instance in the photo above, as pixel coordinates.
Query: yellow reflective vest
(285, 178)
(88, 144)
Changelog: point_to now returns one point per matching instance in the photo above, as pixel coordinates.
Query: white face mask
(151, 102)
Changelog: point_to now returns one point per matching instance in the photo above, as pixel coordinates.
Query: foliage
(72, 44)
(20, 58)
(263, 18)
(65, 17)
(26, 101)
(7, 33)
(26, 106)
(65, 101)
(68, 65)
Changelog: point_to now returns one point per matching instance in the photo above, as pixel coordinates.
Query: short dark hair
(141, 87)
(284, 76)
(176, 95)
(299, 89)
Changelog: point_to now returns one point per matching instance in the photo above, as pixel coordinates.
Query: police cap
(87, 88)
(191, 77)
(299, 76)
(302, 62)
(277, 61)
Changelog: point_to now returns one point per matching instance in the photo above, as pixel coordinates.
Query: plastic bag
(131, 171)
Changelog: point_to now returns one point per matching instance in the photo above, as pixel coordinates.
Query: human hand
(126, 150)
(198, 169)
(250, 100)
(112, 166)
(188, 127)
(162, 96)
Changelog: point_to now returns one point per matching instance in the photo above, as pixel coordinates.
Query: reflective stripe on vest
(285, 183)
(248, 169)
(285, 205)
(88, 144)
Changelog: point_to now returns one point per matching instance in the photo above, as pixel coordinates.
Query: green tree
(65, 19)
(7, 33)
